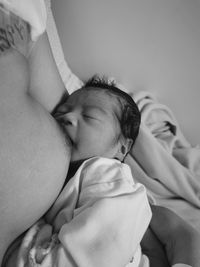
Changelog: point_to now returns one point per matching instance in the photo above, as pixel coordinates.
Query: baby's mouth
(67, 136)
(71, 141)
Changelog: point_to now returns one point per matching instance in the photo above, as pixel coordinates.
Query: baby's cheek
(75, 154)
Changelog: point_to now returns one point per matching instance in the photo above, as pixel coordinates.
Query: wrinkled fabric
(164, 161)
(98, 219)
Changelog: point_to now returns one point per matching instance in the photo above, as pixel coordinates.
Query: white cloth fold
(164, 161)
(70, 80)
(98, 220)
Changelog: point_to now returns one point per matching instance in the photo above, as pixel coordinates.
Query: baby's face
(88, 118)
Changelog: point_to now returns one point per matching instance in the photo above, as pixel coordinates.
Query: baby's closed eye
(94, 113)
(90, 116)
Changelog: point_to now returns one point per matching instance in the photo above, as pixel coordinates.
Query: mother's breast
(34, 160)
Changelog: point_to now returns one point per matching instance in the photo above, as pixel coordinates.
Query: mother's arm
(170, 233)
(46, 85)
(34, 156)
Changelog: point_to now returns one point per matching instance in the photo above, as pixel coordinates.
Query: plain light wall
(151, 45)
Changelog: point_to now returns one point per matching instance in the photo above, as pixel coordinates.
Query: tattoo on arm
(4, 43)
(14, 33)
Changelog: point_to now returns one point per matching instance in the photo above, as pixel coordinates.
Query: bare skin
(34, 155)
(170, 240)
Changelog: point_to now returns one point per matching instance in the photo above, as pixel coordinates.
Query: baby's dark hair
(130, 117)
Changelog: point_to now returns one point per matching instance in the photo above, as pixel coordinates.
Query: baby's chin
(77, 161)
(76, 156)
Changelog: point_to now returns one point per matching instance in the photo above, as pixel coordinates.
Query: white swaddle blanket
(98, 219)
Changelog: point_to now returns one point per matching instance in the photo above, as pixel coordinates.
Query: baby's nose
(68, 119)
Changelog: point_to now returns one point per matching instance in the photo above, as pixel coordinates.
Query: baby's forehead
(96, 97)
(102, 99)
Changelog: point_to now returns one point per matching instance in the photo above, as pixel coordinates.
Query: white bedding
(165, 162)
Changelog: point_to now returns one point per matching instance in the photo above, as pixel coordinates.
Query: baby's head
(100, 120)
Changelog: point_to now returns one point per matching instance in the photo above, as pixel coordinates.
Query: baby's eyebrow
(91, 107)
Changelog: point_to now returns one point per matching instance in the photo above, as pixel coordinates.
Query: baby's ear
(125, 146)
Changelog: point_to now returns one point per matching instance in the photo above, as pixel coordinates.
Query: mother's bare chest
(34, 160)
